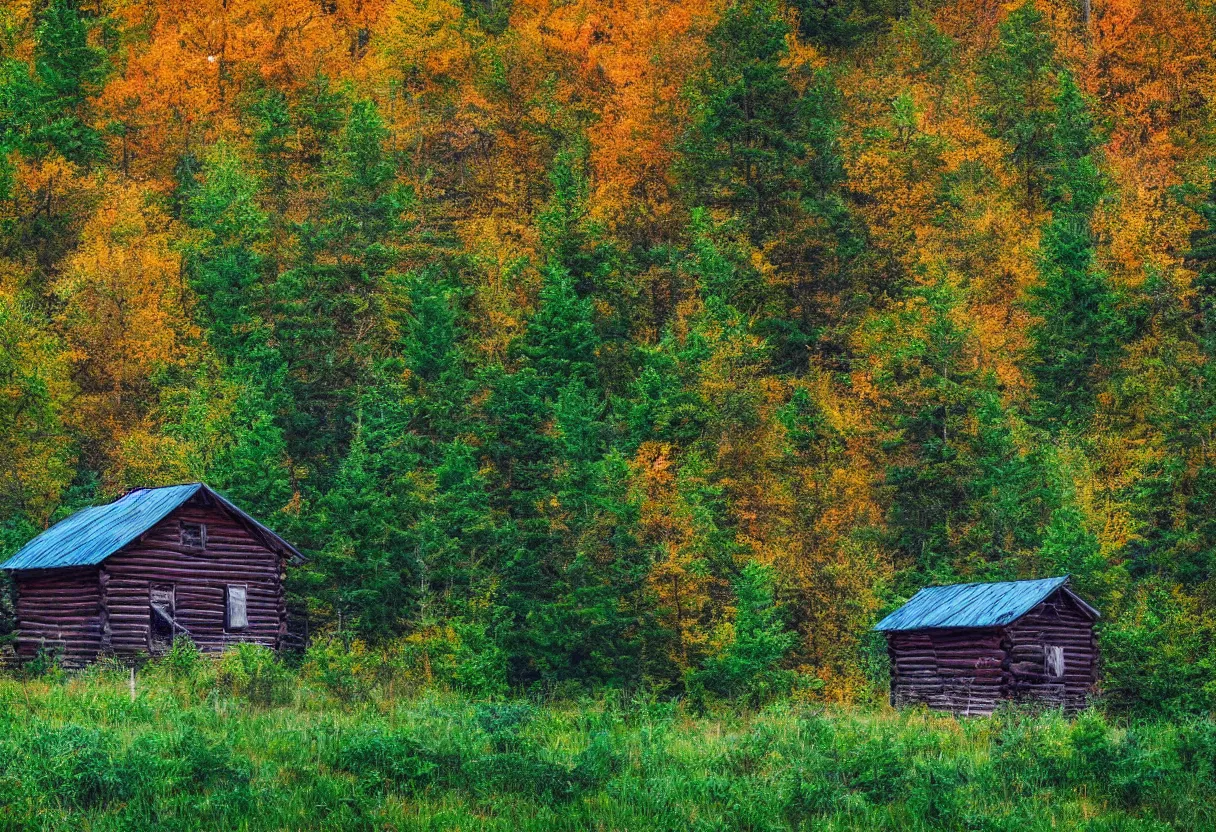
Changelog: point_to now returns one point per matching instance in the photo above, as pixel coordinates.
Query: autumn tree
(38, 457)
(127, 318)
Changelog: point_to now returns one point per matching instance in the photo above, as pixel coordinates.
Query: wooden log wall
(952, 670)
(1056, 622)
(59, 610)
(233, 555)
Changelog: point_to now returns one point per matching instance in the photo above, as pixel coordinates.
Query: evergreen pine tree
(748, 134)
(1021, 79)
(1081, 325)
(49, 109)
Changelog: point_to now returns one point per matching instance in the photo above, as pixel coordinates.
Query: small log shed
(126, 578)
(965, 647)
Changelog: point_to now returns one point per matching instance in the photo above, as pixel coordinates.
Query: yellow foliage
(126, 315)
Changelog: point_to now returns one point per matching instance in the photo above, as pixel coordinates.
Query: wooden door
(163, 612)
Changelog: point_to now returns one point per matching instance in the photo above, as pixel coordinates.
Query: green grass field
(207, 747)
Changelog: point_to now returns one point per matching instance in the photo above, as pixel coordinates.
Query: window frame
(228, 626)
(202, 536)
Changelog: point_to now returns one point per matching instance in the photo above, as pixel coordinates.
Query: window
(1055, 661)
(235, 617)
(194, 535)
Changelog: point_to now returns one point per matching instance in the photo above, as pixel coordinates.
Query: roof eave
(1080, 602)
(270, 537)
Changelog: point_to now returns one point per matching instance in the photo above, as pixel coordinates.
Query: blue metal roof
(93, 534)
(973, 605)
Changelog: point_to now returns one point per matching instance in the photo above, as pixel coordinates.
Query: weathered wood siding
(199, 578)
(59, 610)
(1056, 622)
(969, 671)
(952, 670)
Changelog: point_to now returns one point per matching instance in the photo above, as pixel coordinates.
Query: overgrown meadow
(247, 743)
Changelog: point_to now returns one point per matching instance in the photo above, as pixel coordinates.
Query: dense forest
(652, 344)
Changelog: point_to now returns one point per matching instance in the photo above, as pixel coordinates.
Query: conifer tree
(1021, 78)
(253, 467)
(560, 342)
(331, 306)
(366, 572)
(225, 265)
(49, 108)
(748, 136)
(964, 498)
(1201, 256)
(1081, 324)
(750, 667)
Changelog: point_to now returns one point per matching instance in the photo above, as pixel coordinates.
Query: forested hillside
(594, 343)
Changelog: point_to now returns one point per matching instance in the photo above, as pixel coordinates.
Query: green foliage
(225, 262)
(46, 107)
(1021, 78)
(341, 669)
(1158, 654)
(1036, 106)
(252, 467)
(37, 457)
(743, 151)
(842, 24)
(1082, 326)
(561, 341)
(369, 560)
(254, 673)
(1202, 256)
(749, 666)
(397, 760)
(965, 497)
(492, 15)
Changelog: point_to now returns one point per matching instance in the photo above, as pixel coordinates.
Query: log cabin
(127, 578)
(966, 647)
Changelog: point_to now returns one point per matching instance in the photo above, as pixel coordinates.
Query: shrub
(395, 759)
(461, 654)
(512, 772)
(186, 760)
(349, 673)
(255, 673)
(1197, 748)
(1093, 752)
(503, 722)
(183, 659)
(1159, 655)
(47, 664)
(71, 766)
